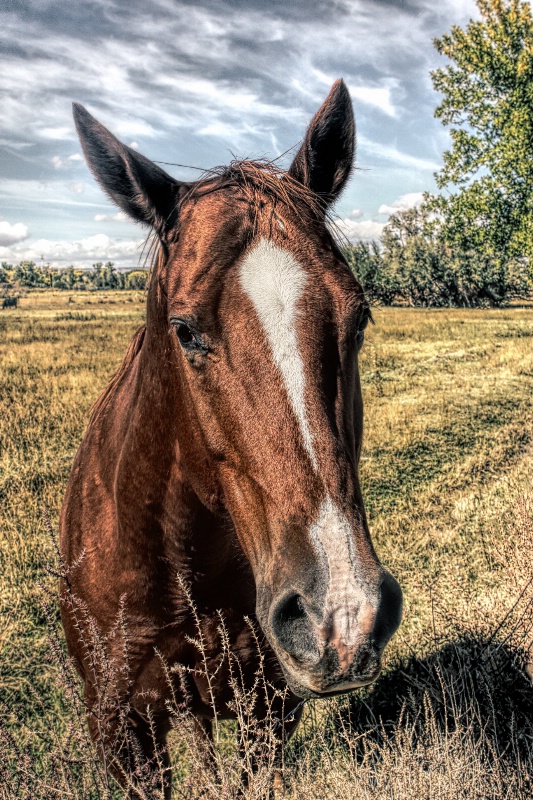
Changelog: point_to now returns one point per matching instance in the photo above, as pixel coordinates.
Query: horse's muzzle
(334, 650)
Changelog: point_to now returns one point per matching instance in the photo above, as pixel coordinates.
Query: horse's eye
(185, 335)
(360, 334)
(189, 339)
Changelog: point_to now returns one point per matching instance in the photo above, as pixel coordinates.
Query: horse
(220, 464)
(10, 302)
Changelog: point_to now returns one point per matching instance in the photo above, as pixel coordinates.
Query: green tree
(372, 271)
(136, 279)
(410, 253)
(26, 273)
(111, 280)
(488, 104)
(97, 277)
(424, 269)
(69, 277)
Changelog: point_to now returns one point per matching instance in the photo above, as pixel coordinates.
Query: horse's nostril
(293, 629)
(389, 612)
(293, 608)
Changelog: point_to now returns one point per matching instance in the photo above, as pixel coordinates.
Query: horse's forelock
(258, 179)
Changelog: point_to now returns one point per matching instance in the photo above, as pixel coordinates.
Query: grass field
(446, 475)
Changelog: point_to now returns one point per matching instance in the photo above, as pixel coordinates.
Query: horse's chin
(309, 687)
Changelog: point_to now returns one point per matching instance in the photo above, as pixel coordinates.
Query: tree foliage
(28, 275)
(472, 246)
(416, 265)
(488, 104)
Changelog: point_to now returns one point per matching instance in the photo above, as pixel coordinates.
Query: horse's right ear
(142, 189)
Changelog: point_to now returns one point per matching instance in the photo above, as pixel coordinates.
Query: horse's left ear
(325, 159)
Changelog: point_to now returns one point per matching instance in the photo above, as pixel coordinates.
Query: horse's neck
(157, 506)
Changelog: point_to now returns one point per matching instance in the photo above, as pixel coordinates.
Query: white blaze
(331, 533)
(274, 281)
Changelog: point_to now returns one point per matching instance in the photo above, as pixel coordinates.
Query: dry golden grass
(446, 479)
(448, 446)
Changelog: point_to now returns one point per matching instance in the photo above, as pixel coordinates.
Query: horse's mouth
(312, 686)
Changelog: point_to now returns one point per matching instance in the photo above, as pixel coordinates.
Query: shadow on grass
(457, 723)
(473, 682)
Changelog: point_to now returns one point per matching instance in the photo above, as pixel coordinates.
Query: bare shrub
(246, 765)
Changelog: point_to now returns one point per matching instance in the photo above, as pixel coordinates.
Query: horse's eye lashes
(365, 319)
(188, 338)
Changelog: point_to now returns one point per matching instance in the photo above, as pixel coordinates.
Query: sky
(198, 83)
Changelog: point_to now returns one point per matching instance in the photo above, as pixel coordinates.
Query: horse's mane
(255, 178)
(133, 350)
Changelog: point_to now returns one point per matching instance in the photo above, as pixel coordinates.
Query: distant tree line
(413, 264)
(28, 275)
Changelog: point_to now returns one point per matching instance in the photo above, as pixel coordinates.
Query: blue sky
(197, 83)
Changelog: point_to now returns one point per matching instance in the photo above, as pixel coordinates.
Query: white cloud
(33, 194)
(223, 129)
(119, 217)
(14, 145)
(192, 74)
(409, 200)
(378, 96)
(59, 132)
(77, 187)
(377, 150)
(246, 76)
(356, 229)
(62, 163)
(366, 230)
(10, 234)
(82, 252)
(229, 132)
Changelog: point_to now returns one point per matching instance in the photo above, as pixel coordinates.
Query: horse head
(259, 322)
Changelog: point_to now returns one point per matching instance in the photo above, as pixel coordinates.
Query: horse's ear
(141, 188)
(325, 159)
